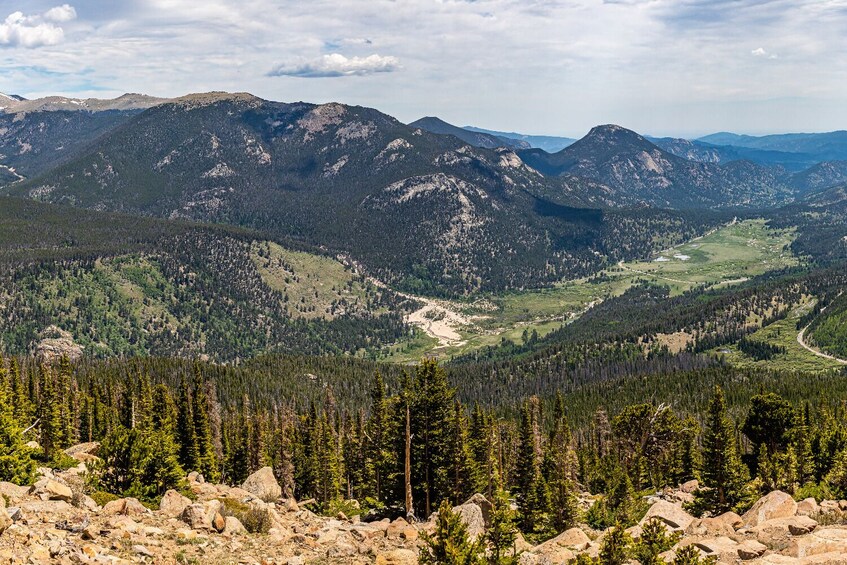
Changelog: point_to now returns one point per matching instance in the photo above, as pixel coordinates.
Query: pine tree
(654, 539)
(533, 496)
(141, 462)
(379, 455)
(616, 546)
(16, 463)
(206, 460)
(450, 544)
(188, 452)
(483, 439)
(24, 410)
(561, 470)
(502, 533)
(50, 415)
(460, 456)
(689, 453)
(724, 476)
(432, 430)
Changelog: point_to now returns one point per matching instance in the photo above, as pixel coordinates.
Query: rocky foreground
(54, 522)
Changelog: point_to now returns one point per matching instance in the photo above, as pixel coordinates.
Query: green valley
(728, 255)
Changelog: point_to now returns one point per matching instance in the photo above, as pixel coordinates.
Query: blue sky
(662, 67)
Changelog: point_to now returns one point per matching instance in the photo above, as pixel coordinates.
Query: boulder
(124, 507)
(830, 507)
(780, 529)
(396, 527)
(721, 548)
(821, 541)
(5, 518)
(197, 517)
(751, 549)
(552, 554)
(263, 485)
(710, 527)
(13, 492)
(671, 514)
(173, 504)
(397, 557)
(808, 507)
(233, 527)
(48, 508)
(50, 489)
(485, 505)
(690, 487)
(573, 538)
(775, 504)
(732, 519)
(473, 518)
(84, 452)
(218, 522)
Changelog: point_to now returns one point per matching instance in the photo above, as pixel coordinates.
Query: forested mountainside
(421, 211)
(829, 146)
(104, 284)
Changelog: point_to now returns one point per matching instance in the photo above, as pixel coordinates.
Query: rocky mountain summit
(54, 521)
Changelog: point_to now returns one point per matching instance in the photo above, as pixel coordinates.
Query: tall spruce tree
(206, 461)
(724, 476)
(533, 495)
(188, 452)
(560, 467)
(432, 431)
(380, 457)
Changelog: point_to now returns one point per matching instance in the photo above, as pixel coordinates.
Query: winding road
(801, 339)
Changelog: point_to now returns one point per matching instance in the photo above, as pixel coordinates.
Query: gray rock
(263, 485)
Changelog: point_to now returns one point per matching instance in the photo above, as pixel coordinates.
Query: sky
(558, 67)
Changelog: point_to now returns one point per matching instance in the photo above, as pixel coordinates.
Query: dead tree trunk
(410, 510)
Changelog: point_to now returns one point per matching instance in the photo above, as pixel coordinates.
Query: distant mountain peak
(208, 98)
(613, 132)
(17, 104)
(436, 125)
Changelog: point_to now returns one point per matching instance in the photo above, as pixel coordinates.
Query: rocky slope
(55, 522)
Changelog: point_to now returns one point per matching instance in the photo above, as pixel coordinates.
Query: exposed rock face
(472, 517)
(55, 343)
(263, 484)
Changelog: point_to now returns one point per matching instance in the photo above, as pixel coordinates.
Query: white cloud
(337, 65)
(760, 52)
(63, 13)
(19, 30)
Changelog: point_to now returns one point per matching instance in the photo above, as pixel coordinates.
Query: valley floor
(728, 255)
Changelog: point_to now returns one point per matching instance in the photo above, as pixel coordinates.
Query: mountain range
(454, 212)
(423, 211)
